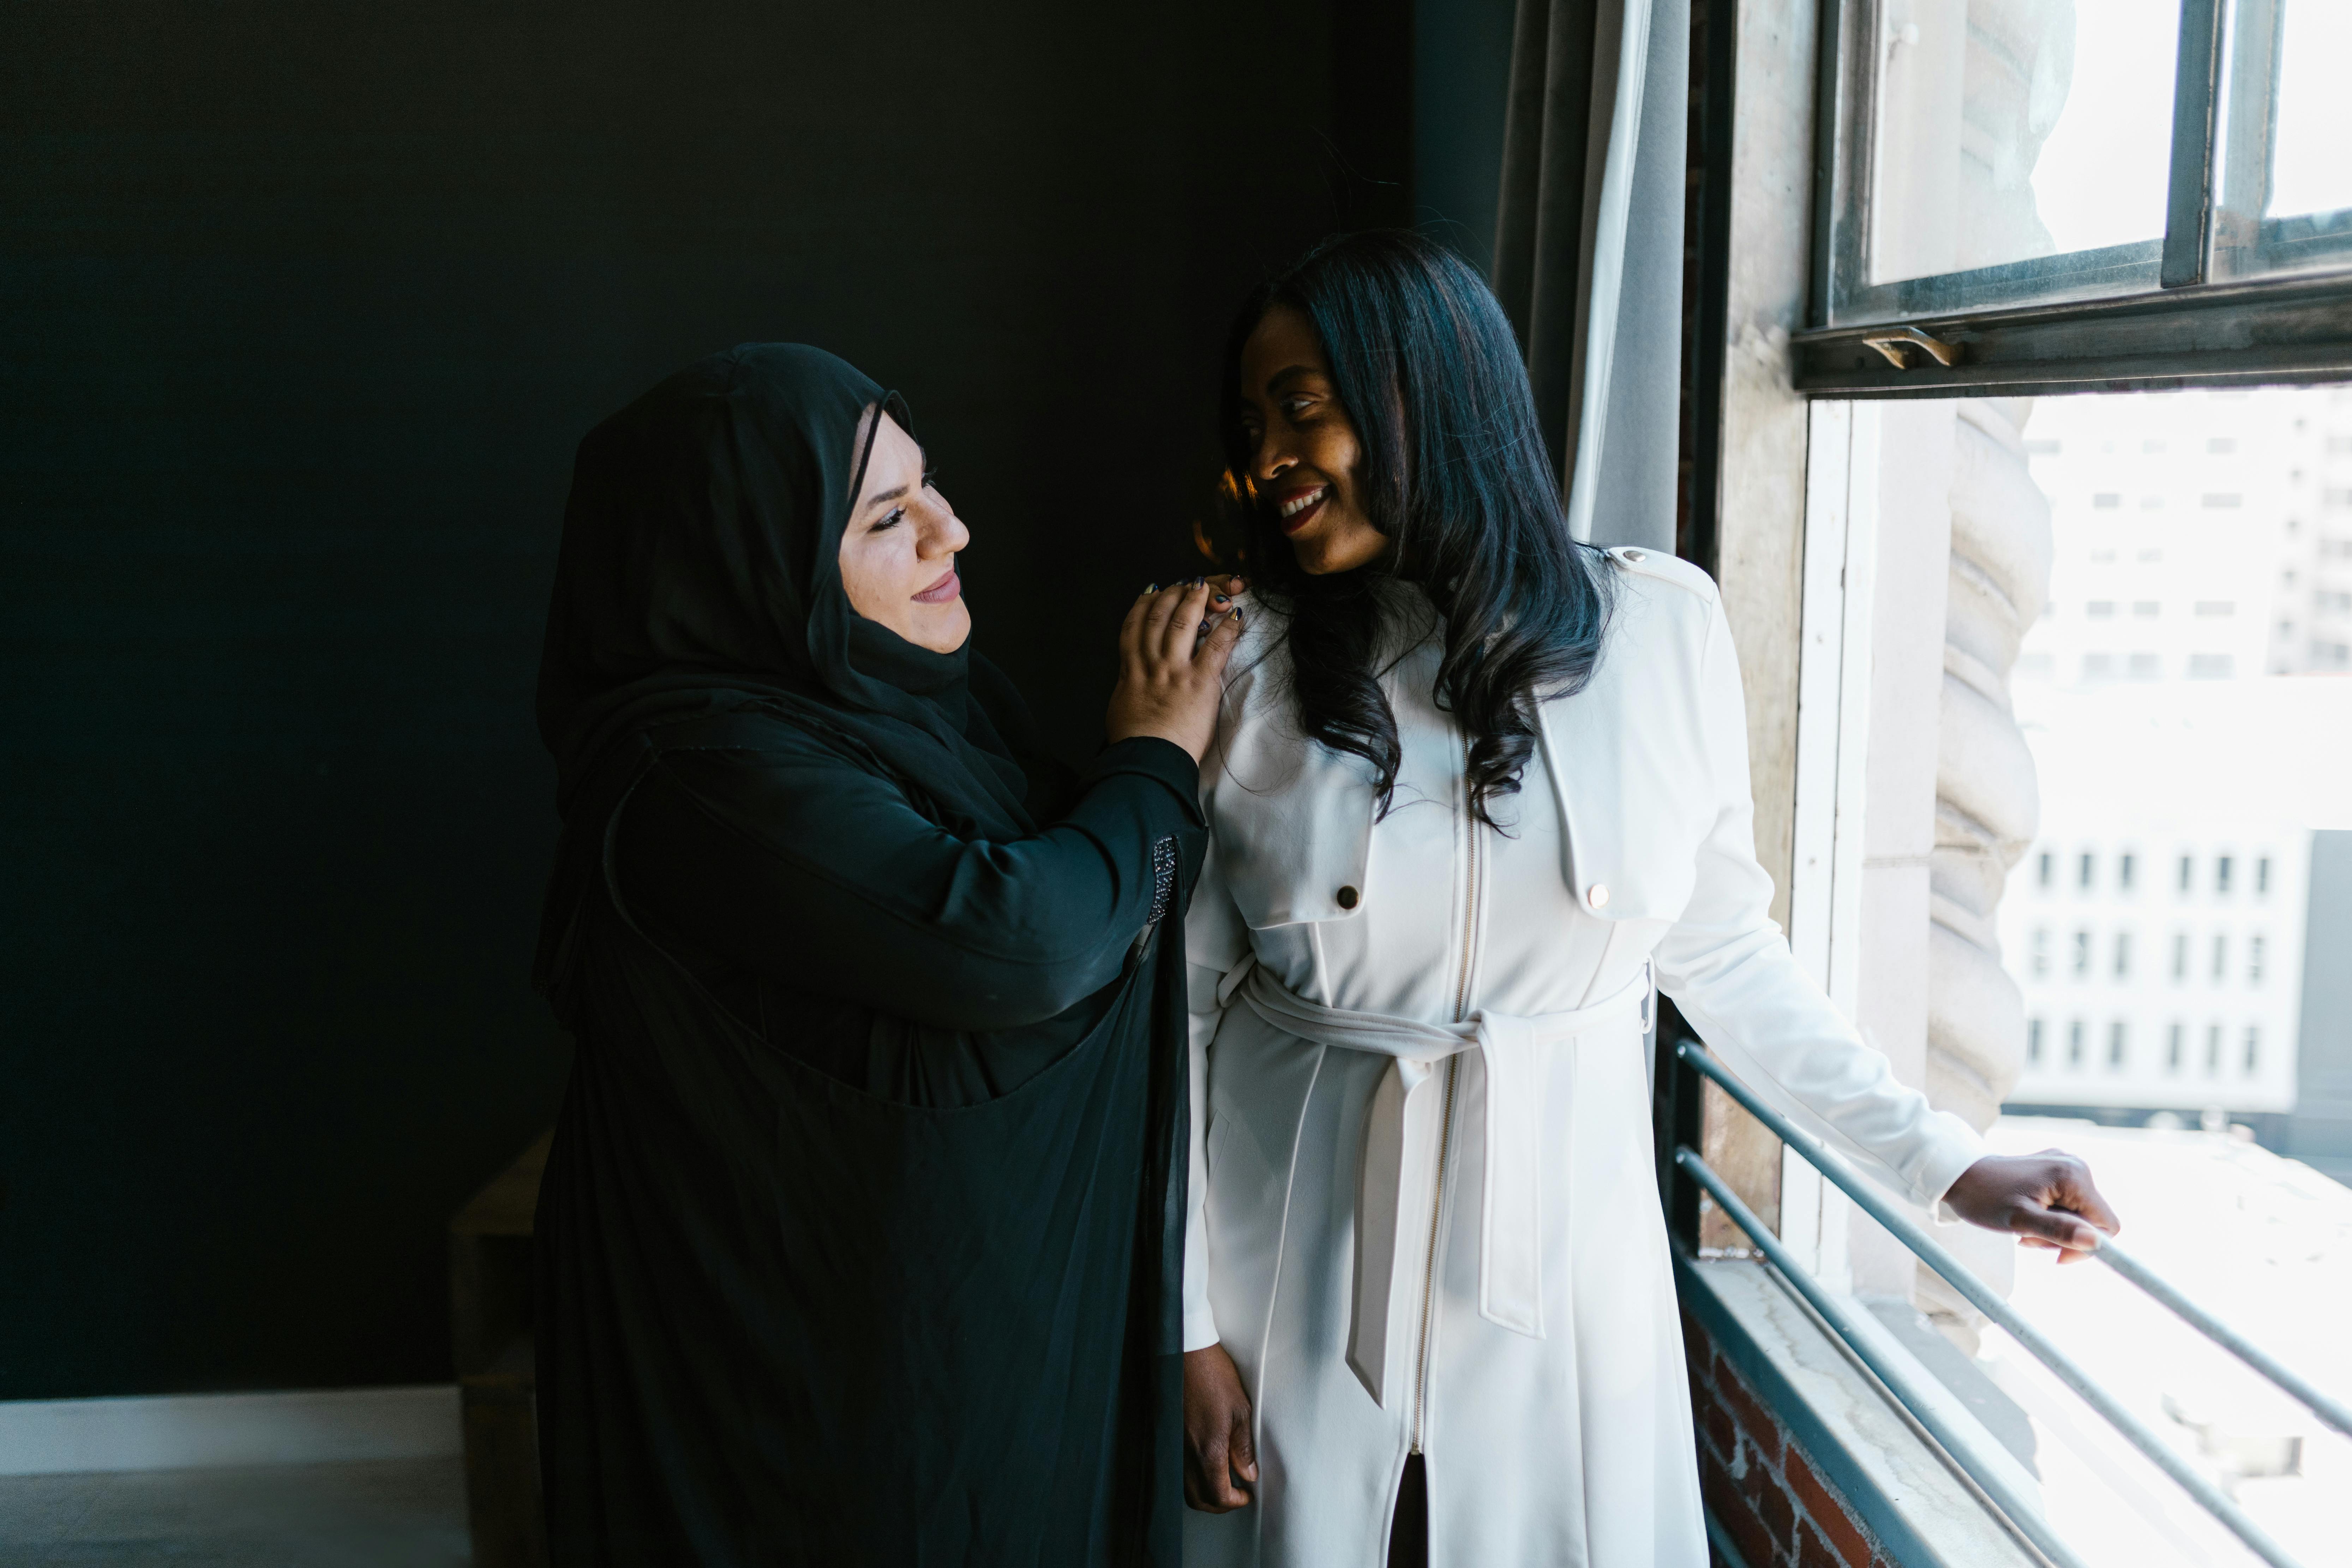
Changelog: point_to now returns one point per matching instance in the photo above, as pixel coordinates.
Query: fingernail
(1219, 599)
(1153, 589)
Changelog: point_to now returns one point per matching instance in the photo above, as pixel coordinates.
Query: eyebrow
(892, 494)
(1290, 373)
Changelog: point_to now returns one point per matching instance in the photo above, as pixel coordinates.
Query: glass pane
(2309, 170)
(2020, 129)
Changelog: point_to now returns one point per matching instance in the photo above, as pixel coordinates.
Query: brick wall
(1758, 1483)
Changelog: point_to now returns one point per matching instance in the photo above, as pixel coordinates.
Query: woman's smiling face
(898, 554)
(1303, 446)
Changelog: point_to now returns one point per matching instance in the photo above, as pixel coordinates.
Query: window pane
(2309, 172)
(2011, 131)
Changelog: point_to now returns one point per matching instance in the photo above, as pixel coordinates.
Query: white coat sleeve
(1214, 940)
(1729, 970)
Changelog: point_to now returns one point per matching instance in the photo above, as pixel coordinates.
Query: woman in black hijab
(861, 1236)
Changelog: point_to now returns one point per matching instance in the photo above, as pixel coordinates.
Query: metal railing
(2023, 1513)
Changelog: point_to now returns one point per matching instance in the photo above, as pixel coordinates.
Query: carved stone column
(2020, 67)
(1987, 800)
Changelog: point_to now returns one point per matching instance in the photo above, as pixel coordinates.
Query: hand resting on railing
(2048, 1199)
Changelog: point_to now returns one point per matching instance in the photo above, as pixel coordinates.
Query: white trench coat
(1425, 1213)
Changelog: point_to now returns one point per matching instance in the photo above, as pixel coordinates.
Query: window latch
(1890, 344)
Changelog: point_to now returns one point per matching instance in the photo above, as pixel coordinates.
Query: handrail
(2326, 1407)
(1906, 1230)
(2023, 1513)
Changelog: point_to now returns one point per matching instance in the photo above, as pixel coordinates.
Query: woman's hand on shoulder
(1173, 650)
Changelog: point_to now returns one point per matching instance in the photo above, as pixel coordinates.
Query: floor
(397, 1513)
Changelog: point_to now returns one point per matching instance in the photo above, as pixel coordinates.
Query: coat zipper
(1445, 1142)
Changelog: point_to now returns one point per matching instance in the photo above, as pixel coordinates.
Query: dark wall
(306, 304)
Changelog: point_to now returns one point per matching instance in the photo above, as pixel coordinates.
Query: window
(2100, 609)
(2181, 956)
(2222, 874)
(2173, 1048)
(2213, 609)
(2123, 956)
(2219, 500)
(2212, 665)
(2146, 609)
(2262, 875)
(2034, 1041)
(2187, 872)
(2212, 1049)
(2074, 1044)
(2119, 1037)
(2107, 500)
(2145, 667)
(2082, 953)
(2124, 872)
(2253, 1048)
(2194, 143)
(2046, 868)
(2221, 955)
(2040, 952)
(2254, 949)
(2084, 869)
(2221, 444)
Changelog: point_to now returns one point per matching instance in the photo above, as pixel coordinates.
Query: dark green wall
(306, 304)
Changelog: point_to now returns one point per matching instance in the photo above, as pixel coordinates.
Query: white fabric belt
(1403, 1145)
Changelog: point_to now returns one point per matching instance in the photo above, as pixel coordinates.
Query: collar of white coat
(1626, 755)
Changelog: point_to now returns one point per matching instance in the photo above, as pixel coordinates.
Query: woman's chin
(943, 629)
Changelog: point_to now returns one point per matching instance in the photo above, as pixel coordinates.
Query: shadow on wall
(309, 305)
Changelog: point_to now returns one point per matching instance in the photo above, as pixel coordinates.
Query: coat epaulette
(1669, 568)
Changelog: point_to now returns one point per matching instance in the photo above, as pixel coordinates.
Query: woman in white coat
(1477, 789)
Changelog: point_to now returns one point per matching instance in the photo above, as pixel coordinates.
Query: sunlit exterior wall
(2157, 924)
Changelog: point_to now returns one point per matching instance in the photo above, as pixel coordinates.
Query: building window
(2173, 1048)
(2212, 1049)
(2123, 956)
(2222, 874)
(2034, 1041)
(2100, 609)
(2254, 952)
(2099, 666)
(2220, 444)
(2083, 870)
(2221, 955)
(2212, 665)
(2106, 500)
(2118, 1037)
(2181, 956)
(2074, 1044)
(2214, 609)
(2046, 869)
(2145, 609)
(2123, 865)
(2040, 949)
(2222, 501)
(2253, 1048)
(2187, 872)
(2082, 953)
(2145, 667)
(2262, 875)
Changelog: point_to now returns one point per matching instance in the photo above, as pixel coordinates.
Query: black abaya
(861, 1236)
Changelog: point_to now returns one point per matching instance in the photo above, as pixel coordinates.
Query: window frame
(2207, 304)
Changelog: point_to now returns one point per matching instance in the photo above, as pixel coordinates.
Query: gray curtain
(1589, 249)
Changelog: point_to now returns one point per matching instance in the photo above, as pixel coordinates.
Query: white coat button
(1347, 896)
(1636, 555)
(1597, 896)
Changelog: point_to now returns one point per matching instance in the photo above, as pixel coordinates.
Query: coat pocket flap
(1293, 826)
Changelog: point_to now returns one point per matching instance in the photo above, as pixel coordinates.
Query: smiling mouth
(940, 591)
(1299, 510)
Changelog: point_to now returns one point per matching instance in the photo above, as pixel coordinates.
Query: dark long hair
(1455, 471)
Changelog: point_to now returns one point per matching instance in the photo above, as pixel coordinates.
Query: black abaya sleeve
(807, 871)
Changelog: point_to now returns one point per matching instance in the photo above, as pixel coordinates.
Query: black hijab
(700, 573)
